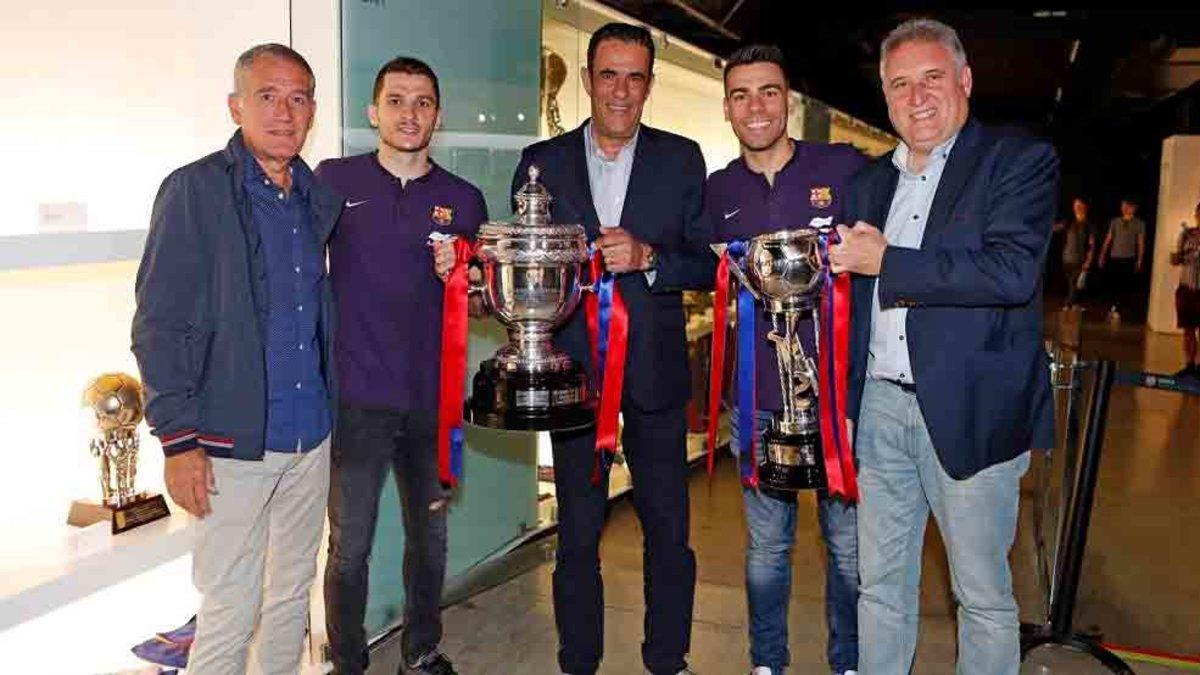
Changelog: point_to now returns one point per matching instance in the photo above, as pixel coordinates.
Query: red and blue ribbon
(608, 333)
(747, 387)
(833, 368)
(453, 368)
(734, 254)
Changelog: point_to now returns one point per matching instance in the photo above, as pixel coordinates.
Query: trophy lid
(533, 201)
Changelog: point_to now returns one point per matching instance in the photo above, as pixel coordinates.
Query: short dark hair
(625, 32)
(755, 53)
(409, 66)
(1130, 201)
(248, 57)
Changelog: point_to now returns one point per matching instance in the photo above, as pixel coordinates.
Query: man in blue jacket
(232, 337)
(949, 380)
(638, 192)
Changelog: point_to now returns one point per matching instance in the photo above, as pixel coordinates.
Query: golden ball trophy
(118, 403)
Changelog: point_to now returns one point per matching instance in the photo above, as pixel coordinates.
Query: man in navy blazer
(638, 192)
(949, 381)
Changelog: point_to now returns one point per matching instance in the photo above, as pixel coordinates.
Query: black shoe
(434, 663)
(1189, 370)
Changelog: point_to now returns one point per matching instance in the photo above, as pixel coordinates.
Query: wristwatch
(651, 259)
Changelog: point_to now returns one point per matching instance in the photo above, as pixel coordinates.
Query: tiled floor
(1139, 586)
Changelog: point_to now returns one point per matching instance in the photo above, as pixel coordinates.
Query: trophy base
(145, 508)
(525, 401)
(792, 461)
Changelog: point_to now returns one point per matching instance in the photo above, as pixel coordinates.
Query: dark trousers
(655, 446)
(365, 443)
(1124, 288)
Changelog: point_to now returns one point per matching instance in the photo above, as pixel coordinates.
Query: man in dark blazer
(949, 380)
(638, 192)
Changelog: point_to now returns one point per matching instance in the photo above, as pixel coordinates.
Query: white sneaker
(850, 672)
(760, 670)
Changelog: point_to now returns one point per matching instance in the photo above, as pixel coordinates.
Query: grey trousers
(254, 561)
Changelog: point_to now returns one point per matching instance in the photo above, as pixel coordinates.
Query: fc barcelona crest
(820, 197)
(442, 215)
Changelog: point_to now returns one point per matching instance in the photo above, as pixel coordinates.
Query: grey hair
(923, 30)
(248, 57)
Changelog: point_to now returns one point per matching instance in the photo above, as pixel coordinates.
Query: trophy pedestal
(792, 461)
(529, 401)
(144, 508)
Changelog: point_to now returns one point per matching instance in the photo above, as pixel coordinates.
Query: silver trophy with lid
(532, 273)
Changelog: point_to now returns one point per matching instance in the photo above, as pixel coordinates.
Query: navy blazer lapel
(639, 176)
(577, 151)
(960, 166)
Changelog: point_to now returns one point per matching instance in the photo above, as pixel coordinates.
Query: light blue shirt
(905, 228)
(609, 180)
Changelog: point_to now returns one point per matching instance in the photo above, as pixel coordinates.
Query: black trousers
(655, 446)
(365, 443)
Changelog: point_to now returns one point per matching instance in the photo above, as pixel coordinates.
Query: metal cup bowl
(785, 267)
(532, 274)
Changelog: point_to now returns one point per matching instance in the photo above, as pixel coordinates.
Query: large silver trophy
(117, 401)
(783, 269)
(531, 283)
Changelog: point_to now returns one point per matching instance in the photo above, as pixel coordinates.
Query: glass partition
(486, 55)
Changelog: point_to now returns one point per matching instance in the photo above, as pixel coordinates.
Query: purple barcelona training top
(387, 298)
(810, 190)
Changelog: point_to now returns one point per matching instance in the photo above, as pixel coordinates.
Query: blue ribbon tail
(745, 377)
(456, 451)
(604, 315)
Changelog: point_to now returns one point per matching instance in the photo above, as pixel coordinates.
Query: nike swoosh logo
(350, 204)
(732, 213)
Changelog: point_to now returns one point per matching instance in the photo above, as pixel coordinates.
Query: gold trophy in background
(554, 74)
(118, 403)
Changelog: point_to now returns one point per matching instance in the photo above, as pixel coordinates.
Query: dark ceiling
(1125, 62)
(1106, 86)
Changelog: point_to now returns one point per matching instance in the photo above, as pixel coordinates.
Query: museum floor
(1140, 587)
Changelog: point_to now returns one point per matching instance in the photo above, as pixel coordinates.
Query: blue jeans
(771, 521)
(901, 480)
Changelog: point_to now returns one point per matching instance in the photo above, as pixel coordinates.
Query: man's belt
(906, 386)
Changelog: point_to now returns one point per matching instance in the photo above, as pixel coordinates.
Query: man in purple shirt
(387, 341)
(778, 184)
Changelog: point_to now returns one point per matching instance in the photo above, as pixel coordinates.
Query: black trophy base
(145, 508)
(522, 401)
(792, 461)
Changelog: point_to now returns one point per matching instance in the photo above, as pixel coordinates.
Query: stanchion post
(1079, 515)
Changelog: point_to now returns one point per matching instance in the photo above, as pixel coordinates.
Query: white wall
(103, 99)
(1178, 194)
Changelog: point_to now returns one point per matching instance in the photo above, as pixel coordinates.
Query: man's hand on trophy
(443, 257)
(622, 251)
(860, 250)
(189, 478)
(476, 307)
